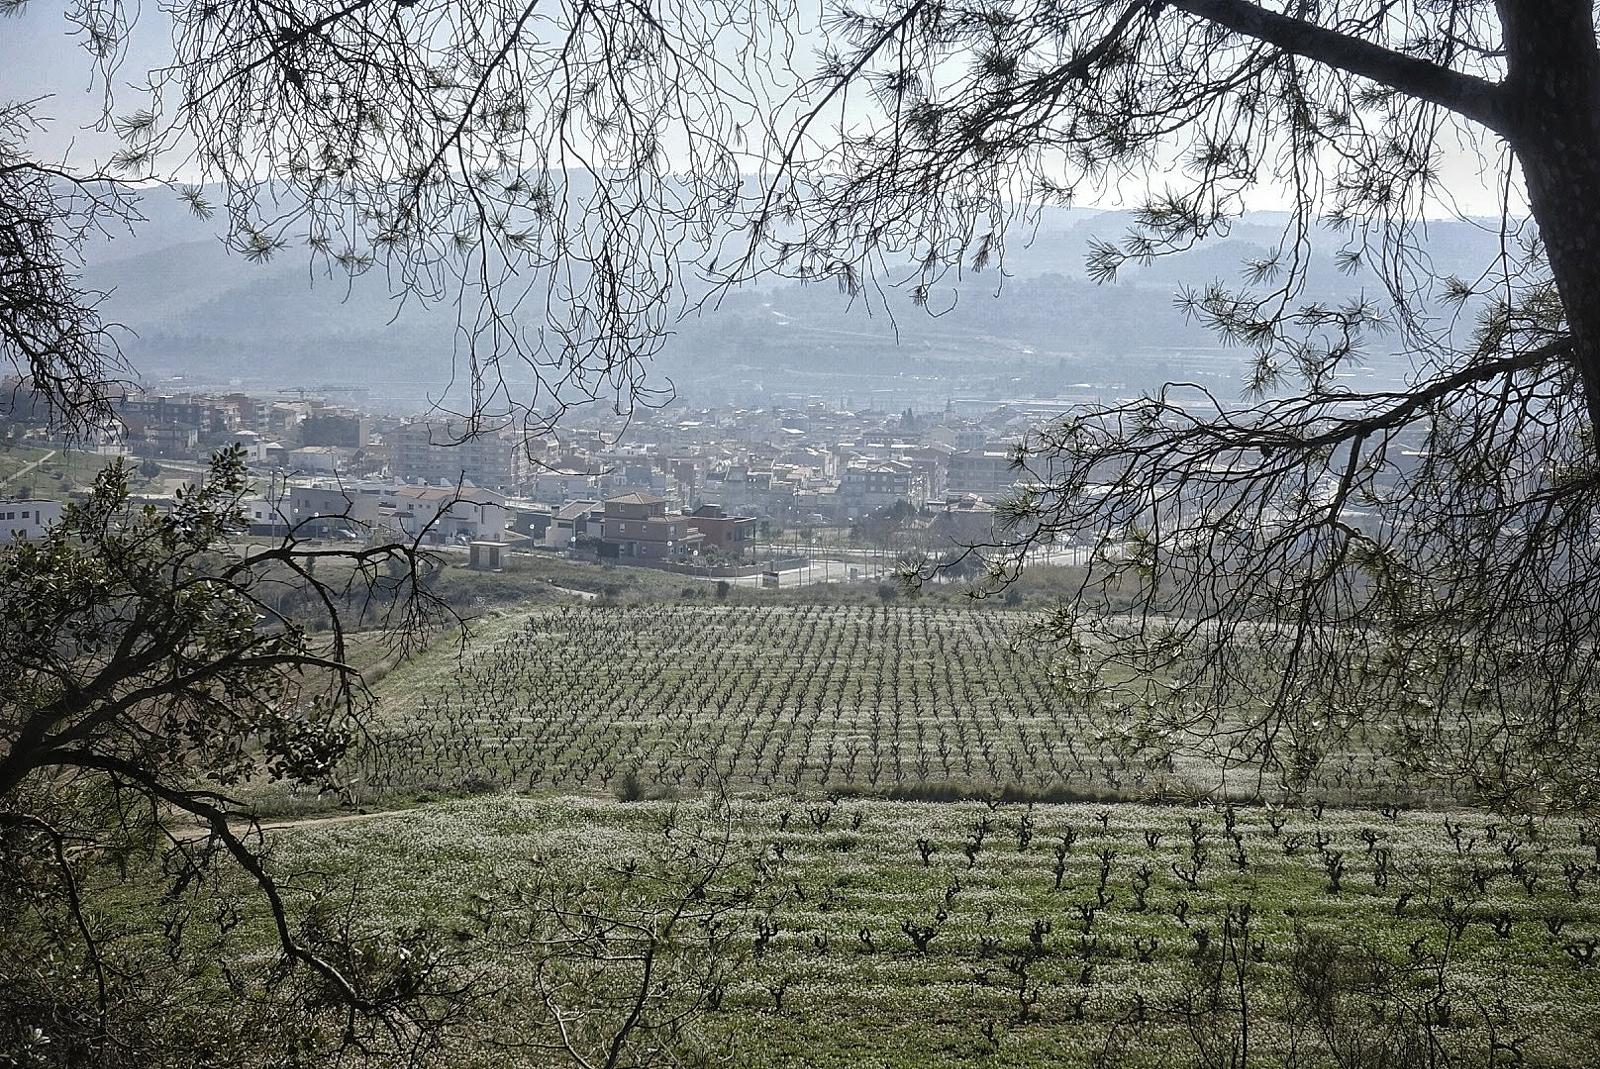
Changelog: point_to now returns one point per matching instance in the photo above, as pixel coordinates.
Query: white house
(261, 453)
(332, 511)
(314, 511)
(265, 515)
(314, 460)
(574, 520)
(27, 519)
(468, 514)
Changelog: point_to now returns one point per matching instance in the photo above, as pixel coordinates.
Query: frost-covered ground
(1061, 934)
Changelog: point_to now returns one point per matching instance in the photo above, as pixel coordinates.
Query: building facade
(436, 453)
(637, 527)
(870, 486)
(729, 535)
(438, 514)
(28, 518)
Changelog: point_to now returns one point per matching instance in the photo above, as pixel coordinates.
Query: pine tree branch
(1465, 94)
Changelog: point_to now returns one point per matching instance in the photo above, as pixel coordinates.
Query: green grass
(66, 471)
(537, 578)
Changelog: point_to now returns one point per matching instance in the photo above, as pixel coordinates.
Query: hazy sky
(38, 57)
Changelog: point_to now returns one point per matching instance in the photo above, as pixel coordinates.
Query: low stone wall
(729, 571)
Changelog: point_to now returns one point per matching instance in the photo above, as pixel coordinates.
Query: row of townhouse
(437, 515)
(182, 425)
(638, 526)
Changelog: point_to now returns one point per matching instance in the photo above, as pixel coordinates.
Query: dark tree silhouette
(547, 174)
(150, 674)
(553, 174)
(50, 330)
(1324, 571)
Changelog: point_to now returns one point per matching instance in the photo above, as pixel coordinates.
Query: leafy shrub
(628, 788)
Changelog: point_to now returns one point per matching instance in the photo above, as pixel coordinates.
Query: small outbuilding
(485, 556)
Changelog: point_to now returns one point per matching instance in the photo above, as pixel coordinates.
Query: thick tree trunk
(1551, 117)
(1565, 197)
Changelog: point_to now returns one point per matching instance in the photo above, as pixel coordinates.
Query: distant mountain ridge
(202, 312)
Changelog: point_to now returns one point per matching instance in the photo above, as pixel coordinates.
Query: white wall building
(314, 460)
(439, 453)
(478, 515)
(28, 518)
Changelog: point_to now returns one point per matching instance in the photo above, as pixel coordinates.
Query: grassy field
(905, 700)
(1061, 935)
(54, 473)
(48, 472)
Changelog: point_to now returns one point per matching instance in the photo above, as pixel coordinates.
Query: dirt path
(586, 595)
(318, 822)
(20, 472)
(240, 826)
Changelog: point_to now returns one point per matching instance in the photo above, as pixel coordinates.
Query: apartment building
(438, 453)
(637, 526)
